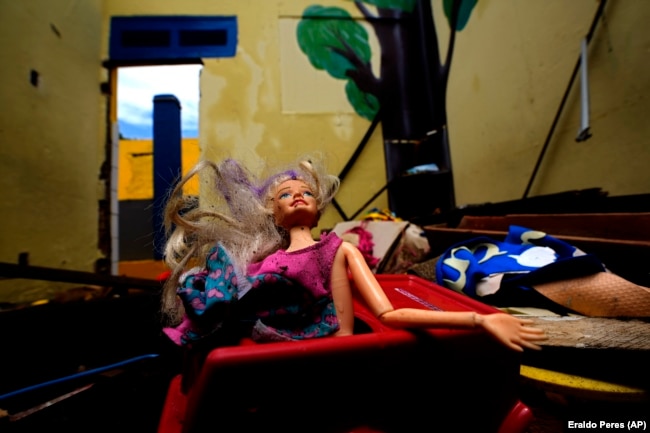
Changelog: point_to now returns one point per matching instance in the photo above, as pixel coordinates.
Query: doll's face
(294, 205)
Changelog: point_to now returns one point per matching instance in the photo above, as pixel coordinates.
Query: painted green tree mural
(409, 93)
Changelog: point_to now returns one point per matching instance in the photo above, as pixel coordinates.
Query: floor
(132, 401)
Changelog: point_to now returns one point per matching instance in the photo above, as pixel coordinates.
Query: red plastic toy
(392, 380)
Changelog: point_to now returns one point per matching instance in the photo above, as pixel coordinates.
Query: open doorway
(136, 43)
(136, 88)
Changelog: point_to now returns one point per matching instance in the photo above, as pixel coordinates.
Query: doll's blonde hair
(236, 211)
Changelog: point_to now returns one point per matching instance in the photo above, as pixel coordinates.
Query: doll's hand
(512, 331)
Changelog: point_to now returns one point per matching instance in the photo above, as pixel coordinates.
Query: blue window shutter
(138, 38)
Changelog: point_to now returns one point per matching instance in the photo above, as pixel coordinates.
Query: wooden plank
(608, 350)
(621, 226)
(594, 333)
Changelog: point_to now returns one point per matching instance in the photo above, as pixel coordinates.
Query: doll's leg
(342, 295)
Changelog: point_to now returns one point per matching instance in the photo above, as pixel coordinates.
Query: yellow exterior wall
(135, 178)
(51, 138)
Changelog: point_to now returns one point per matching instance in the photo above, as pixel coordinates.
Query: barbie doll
(255, 269)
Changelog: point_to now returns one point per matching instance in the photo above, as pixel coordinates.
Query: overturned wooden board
(594, 333)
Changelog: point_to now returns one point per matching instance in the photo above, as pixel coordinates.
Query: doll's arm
(506, 328)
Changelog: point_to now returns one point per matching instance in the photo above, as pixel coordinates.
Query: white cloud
(137, 87)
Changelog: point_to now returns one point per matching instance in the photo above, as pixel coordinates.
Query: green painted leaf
(318, 36)
(402, 5)
(464, 12)
(365, 104)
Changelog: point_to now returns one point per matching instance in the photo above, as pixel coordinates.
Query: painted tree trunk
(412, 97)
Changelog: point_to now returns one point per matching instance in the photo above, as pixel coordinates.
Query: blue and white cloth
(482, 266)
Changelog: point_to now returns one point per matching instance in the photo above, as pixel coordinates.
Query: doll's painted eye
(307, 193)
(284, 195)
